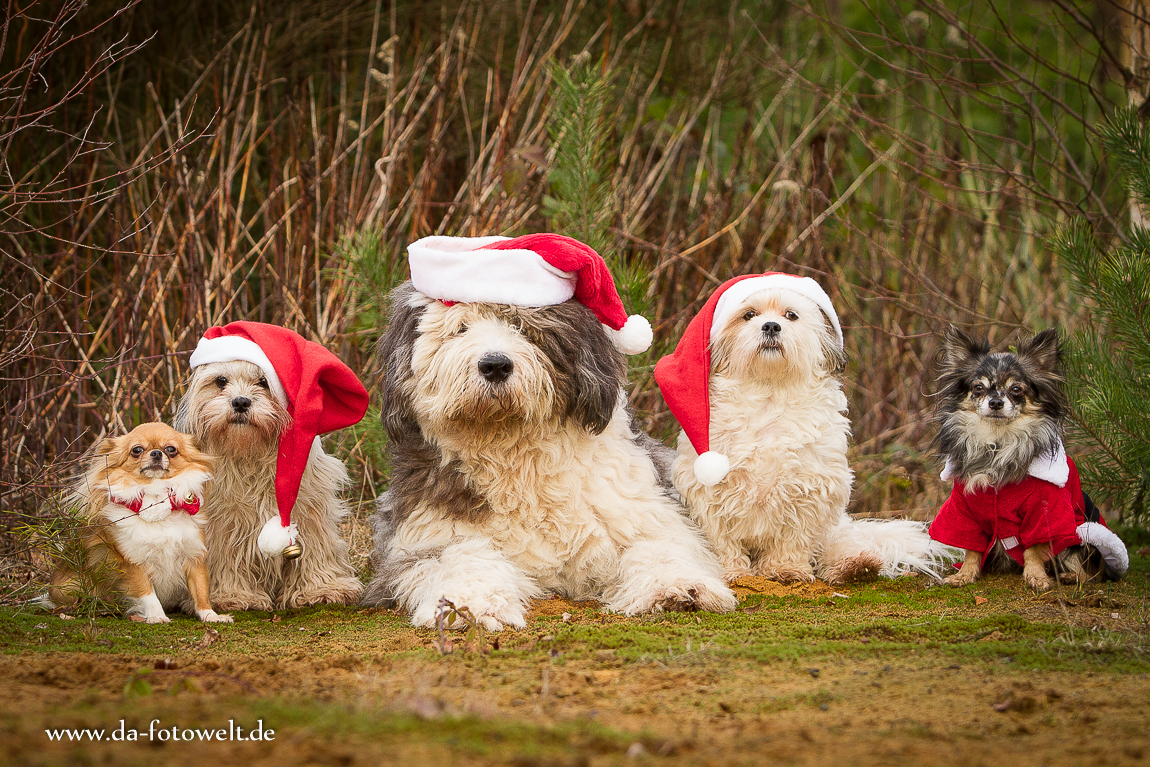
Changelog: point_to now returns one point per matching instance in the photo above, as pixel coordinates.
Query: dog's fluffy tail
(857, 549)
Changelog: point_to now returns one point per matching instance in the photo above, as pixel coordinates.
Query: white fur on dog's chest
(559, 508)
(757, 422)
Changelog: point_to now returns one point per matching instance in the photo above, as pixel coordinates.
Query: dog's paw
(1039, 581)
(961, 578)
(345, 591)
(786, 573)
(211, 616)
(250, 601)
(732, 574)
(156, 619)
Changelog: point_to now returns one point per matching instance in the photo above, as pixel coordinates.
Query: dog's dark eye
(171, 451)
(978, 389)
(461, 329)
(137, 451)
(221, 381)
(1016, 390)
(791, 315)
(749, 315)
(262, 383)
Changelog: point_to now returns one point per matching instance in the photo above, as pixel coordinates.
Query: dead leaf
(64, 617)
(136, 618)
(1003, 706)
(980, 600)
(210, 636)
(1143, 552)
(993, 636)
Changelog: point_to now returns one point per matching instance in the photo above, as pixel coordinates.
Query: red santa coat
(1020, 515)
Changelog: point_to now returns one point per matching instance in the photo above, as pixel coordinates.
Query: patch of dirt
(756, 584)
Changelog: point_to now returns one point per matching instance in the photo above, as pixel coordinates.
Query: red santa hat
(684, 375)
(532, 270)
(319, 392)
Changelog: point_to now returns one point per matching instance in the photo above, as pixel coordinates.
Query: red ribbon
(191, 504)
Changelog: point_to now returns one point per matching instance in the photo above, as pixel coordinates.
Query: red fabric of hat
(323, 395)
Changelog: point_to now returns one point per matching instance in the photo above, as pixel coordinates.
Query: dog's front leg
(200, 589)
(671, 573)
(470, 573)
(142, 599)
(969, 572)
(1034, 567)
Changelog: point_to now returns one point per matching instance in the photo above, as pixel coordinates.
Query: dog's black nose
(156, 455)
(772, 328)
(495, 367)
(995, 403)
(241, 404)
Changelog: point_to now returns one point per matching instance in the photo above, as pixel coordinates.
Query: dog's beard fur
(997, 412)
(230, 408)
(547, 370)
(777, 338)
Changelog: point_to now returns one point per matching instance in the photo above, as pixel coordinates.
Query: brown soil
(687, 706)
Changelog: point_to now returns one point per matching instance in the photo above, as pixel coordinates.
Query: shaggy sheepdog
(755, 385)
(237, 407)
(517, 470)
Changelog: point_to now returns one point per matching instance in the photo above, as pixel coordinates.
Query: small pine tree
(582, 203)
(1108, 366)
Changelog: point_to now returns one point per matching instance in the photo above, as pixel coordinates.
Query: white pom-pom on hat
(274, 537)
(711, 468)
(635, 336)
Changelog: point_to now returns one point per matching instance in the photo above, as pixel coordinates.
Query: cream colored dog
(755, 385)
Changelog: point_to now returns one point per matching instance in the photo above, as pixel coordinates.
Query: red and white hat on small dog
(684, 375)
(318, 390)
(532, 270)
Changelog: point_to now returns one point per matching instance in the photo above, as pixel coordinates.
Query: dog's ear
(959, 349)
(1044, 349)
(588, 370)
(834, 356)
(393, 361)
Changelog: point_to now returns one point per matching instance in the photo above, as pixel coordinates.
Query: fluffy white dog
(517, 470)
(755, 385)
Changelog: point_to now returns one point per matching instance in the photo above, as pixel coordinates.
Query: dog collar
(190, 503)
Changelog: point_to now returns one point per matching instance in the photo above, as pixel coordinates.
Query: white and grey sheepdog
(516, 470)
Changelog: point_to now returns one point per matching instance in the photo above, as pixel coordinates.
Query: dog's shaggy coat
(778, 412)
(230, 409)
(516, 470)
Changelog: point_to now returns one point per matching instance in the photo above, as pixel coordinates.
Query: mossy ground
(890, 672)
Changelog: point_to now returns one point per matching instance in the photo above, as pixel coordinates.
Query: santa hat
(320, 393)
(532, 270)
(684, 375)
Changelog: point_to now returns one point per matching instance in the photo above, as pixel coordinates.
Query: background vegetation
(168, 167)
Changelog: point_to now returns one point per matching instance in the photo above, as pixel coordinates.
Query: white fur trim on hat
(634, 337)
(231, 348)
(1109, 545)
(452, 269)
(711, 468)
(274, 537)
(734, 296)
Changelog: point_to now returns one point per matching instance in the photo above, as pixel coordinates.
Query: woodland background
(171, 166)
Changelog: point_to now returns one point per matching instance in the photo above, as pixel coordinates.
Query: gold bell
(293, 551)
